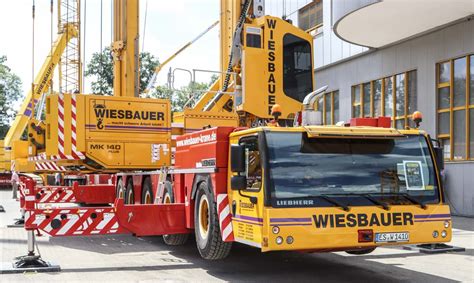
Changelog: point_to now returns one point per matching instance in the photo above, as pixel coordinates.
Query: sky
(169, 25)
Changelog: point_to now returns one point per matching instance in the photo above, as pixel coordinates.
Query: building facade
(394, 57)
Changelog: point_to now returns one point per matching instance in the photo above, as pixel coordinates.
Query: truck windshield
(395, 170)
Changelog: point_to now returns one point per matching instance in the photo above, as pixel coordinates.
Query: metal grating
(70, 68)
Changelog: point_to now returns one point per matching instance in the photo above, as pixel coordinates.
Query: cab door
(247, 204)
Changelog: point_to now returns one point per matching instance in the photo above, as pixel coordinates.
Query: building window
(455, 107)
(393, 96)
(328, 104)
(311, 15)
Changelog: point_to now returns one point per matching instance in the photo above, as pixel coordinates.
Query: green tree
(185, 96)
(101, 68)
(10, 92)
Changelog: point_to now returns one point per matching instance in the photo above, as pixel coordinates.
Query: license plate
(392, 237)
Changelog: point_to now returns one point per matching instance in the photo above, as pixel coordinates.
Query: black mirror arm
(251, 198)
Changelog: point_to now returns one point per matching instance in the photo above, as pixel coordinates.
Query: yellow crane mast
(125, 48)
(70, 67)
(42, 84)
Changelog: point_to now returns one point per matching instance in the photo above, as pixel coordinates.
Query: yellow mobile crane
(111, 131)
(302, 188)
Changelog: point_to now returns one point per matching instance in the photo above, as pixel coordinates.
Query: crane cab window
(253, 37)
(297, 67)
(253, 163)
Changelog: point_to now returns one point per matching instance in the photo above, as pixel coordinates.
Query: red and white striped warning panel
(39, 157)
(48, 166)
(225, 218)
(75, 154)
(55, 195)
(74, 222)
(43, 164)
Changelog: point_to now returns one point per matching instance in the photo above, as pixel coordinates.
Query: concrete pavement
(127, 258)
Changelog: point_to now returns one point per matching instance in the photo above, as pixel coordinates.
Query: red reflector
(298, 119)
(365, 235)
(381, 122)
(384, 122)
(363, 122)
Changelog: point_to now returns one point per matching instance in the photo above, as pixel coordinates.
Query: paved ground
(126, 258)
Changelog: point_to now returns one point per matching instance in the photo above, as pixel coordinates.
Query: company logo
(101, 112)
(362, 220)
(197, 140)
(271, 24)
(45, 79)
(100, 120)
(305, 202)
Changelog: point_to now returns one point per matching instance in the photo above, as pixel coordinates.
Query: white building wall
(328, 48)
(420, 54)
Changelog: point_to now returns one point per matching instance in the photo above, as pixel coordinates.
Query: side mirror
(439, 155)
(238, 183)
(237, 159)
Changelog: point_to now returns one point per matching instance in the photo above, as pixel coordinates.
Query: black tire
(208, 235)
(147, 192)
(175, 239)
(129, 193)
(120, 189)
(361, 251)
(172, 239)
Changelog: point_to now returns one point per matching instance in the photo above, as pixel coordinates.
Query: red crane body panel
(207, 148)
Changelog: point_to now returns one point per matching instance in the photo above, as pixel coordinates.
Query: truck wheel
(120, 190)
(129, 194)
(361, 252)
(147, 192)
(206, 226)
(172, 239)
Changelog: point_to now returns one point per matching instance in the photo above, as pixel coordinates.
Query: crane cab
(276, 68)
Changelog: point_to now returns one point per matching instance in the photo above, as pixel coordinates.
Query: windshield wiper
(334, 201)
(413, 200)
(384, 205)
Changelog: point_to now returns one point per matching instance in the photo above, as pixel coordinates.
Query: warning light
(276, 110)
(417, 118)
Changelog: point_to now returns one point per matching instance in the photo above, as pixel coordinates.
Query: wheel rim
(148, 198)
(120, 189)
(204, 217)
(129, 197)
(167, 198)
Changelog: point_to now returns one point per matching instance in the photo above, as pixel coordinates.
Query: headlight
(279, 240)
(446, 224)
(435, 234)
(444, 234)
(289, 240)
(276, 229)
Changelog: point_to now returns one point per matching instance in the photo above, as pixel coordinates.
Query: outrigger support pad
(30, 262)
(434, 248)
